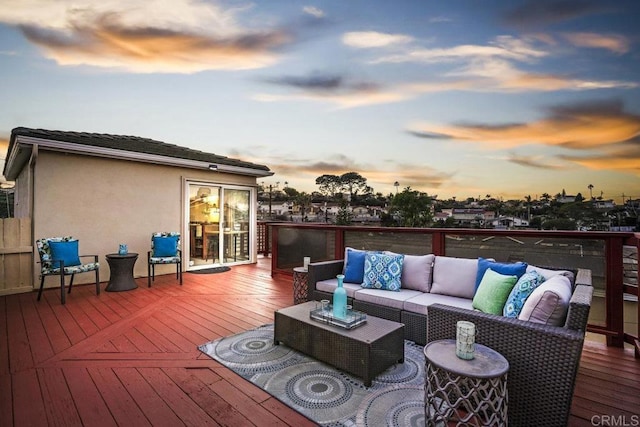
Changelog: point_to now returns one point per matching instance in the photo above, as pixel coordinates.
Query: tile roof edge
(131, 143)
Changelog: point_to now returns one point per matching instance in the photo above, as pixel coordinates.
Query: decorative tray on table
(354, 318)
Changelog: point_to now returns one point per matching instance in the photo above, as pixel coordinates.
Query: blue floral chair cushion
(161, 245)
(50, 264)
(165, 249)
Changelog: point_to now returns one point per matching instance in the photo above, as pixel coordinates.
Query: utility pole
(270, 189)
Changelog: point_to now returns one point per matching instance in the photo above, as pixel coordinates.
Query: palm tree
(590, 187)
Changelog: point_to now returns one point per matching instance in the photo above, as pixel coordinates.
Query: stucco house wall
(22, 194)
(120, 202)
(105, 200)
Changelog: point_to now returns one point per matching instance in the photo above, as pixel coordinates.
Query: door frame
(253, 218)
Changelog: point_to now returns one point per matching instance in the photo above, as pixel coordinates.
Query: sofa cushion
(547, 273)
(454, 276)
(330, 285)
(385, 298)
(420, 303)
(416, 272)
(382, 271)
(549, 302)
(516, 268)
(525, 285)
(493, 292)
(354, 265)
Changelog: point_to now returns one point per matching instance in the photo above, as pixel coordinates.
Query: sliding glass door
(219, 225)
(236, 225)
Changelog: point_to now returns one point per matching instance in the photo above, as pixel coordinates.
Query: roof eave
(112, 153)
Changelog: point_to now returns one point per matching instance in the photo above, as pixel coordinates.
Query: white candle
(465, 339)
(306, 261)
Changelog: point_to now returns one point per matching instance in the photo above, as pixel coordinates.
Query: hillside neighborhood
(562, 211)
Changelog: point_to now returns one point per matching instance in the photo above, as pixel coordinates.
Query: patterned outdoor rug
(321, 392)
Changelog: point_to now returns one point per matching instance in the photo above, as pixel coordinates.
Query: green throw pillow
(493, 292)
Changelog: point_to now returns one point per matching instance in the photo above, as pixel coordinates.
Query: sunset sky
(456, 98)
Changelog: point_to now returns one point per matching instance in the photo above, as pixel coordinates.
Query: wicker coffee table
(364, 351)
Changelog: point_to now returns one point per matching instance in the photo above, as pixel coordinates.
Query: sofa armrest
(579, 306)
(583, 277)
(543, 360)
(322, 271)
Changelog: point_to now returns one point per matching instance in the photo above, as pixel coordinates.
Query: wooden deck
(130, 358)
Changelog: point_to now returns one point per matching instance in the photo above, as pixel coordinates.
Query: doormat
(322, 393)
(211, 270)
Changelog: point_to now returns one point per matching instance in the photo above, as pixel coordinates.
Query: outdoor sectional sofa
(437, 291)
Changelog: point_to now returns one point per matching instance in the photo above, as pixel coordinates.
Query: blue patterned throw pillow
(527, 283)
(382, 271)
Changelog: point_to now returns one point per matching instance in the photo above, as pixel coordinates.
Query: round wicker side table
(469, 392)
(300, 285)
(121, 269)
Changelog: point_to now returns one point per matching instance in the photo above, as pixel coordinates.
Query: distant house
(109, 189)
(471, 216)
(632, 204)
(360, 211)
(566, 199)
(441, 216)
(468, 214)
(603, 204)
(276, 208)
(508, 222)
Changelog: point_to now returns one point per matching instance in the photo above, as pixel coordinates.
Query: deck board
(121, 404)
(59, 403)
(131, 358)
(196, 386)
(28, 404)
(92, 408)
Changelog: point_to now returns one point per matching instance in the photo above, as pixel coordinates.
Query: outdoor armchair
(165, 249)
(59, 257)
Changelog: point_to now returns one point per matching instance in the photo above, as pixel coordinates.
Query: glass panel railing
(296, 243)
(596, 251)
(399, 242)
(630, 279)
(541, 251)
(546, 252)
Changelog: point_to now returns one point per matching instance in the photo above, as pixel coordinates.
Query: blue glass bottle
(340, 299)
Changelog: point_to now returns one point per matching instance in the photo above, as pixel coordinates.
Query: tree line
(412, 208)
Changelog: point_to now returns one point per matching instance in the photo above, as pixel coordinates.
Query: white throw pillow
(454, 276)
(416, 271)
(547, 273)
(549, 302)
